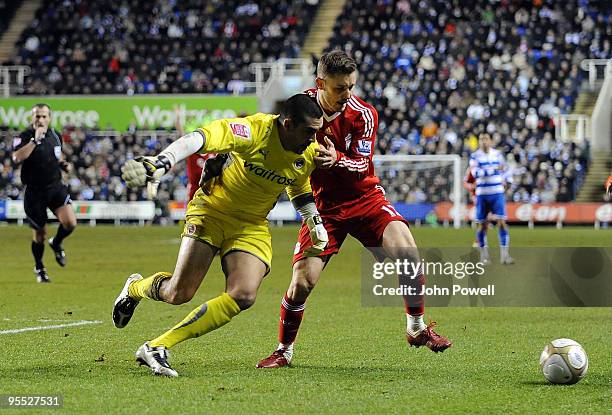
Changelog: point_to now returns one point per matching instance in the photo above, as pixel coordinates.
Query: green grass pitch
(349, 359)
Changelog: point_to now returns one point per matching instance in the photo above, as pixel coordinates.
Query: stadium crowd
(441, 72)
(438, 72)
(159, 46)
(97, 158)
(7, 11)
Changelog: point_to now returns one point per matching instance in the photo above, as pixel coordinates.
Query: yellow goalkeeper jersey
(260, 168)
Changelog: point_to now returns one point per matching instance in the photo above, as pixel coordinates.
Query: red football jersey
(469, 182)
(195, 164)
(353, 132)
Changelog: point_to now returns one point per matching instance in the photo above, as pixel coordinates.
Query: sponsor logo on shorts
(58, 152)
(190, 229)
(296, 250)
(240, 130)
(364, 147)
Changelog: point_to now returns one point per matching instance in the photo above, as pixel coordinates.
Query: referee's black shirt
(42, 167)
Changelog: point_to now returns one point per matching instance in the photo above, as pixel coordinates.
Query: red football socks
(291, 313)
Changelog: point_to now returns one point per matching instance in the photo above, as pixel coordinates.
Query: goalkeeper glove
(318, 236)
(212, 168)
(145, 170)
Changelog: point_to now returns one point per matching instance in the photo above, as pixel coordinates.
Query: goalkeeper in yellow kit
(267, 154)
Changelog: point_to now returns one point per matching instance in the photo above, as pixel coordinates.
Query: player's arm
(505, 172)
(22, 148)
(358, 159)
(63, 163)
(178, 124)
(469, 182)
(149, 170)
(216, 137)
(609, 186)
(475, 169)
(303, 201)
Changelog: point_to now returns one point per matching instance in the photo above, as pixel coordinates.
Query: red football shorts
(365, 219)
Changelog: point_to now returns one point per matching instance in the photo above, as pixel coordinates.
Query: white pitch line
(55, 326)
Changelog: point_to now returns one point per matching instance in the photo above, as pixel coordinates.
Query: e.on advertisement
(539, 213)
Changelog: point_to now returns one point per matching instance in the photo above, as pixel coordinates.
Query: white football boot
(156, 358)
(124, 304)
(485, 259)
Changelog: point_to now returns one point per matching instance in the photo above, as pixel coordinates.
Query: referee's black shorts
(38, 198)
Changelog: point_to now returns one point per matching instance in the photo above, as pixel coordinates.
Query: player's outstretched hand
(326, 155)
(318, 236)
(145, 170)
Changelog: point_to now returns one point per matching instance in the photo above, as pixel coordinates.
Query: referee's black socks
(61, 234)
(37, 252)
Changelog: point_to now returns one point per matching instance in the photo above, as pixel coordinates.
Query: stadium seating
(141, 46)
(97, 158)
(7, 11)
(439, 73)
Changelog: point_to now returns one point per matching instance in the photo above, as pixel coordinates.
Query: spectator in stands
(507, 70)
(140, 46)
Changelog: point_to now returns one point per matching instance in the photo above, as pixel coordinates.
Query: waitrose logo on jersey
(119, 112)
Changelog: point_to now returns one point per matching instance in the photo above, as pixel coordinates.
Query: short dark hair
(299, 107)
(336, 62)
(41, 105)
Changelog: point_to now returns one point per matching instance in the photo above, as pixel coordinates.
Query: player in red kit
(469, 183)
(195, 163)
(350, 201)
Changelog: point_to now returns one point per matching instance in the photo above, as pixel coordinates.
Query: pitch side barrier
(596, 214)
(93, 211)
(559, 214)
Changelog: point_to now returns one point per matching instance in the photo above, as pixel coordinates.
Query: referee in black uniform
(39, 148)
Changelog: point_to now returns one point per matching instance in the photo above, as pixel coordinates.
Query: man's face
(335, 90)
(41, 117)
(485, 141)
(303, 134)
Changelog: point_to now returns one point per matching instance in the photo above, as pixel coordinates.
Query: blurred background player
(39, 148)
(469, 184)
(487, 167)
(350, 201)
(195, 162)
(270, 153)
(608, 186)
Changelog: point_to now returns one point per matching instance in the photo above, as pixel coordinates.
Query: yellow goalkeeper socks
(205, 318)
(148, 287)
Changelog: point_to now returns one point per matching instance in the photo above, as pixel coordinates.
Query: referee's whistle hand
(40, 132)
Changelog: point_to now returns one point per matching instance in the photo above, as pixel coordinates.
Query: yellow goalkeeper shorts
(228, 234)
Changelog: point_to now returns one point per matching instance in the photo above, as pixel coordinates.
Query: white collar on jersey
(326, 117)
